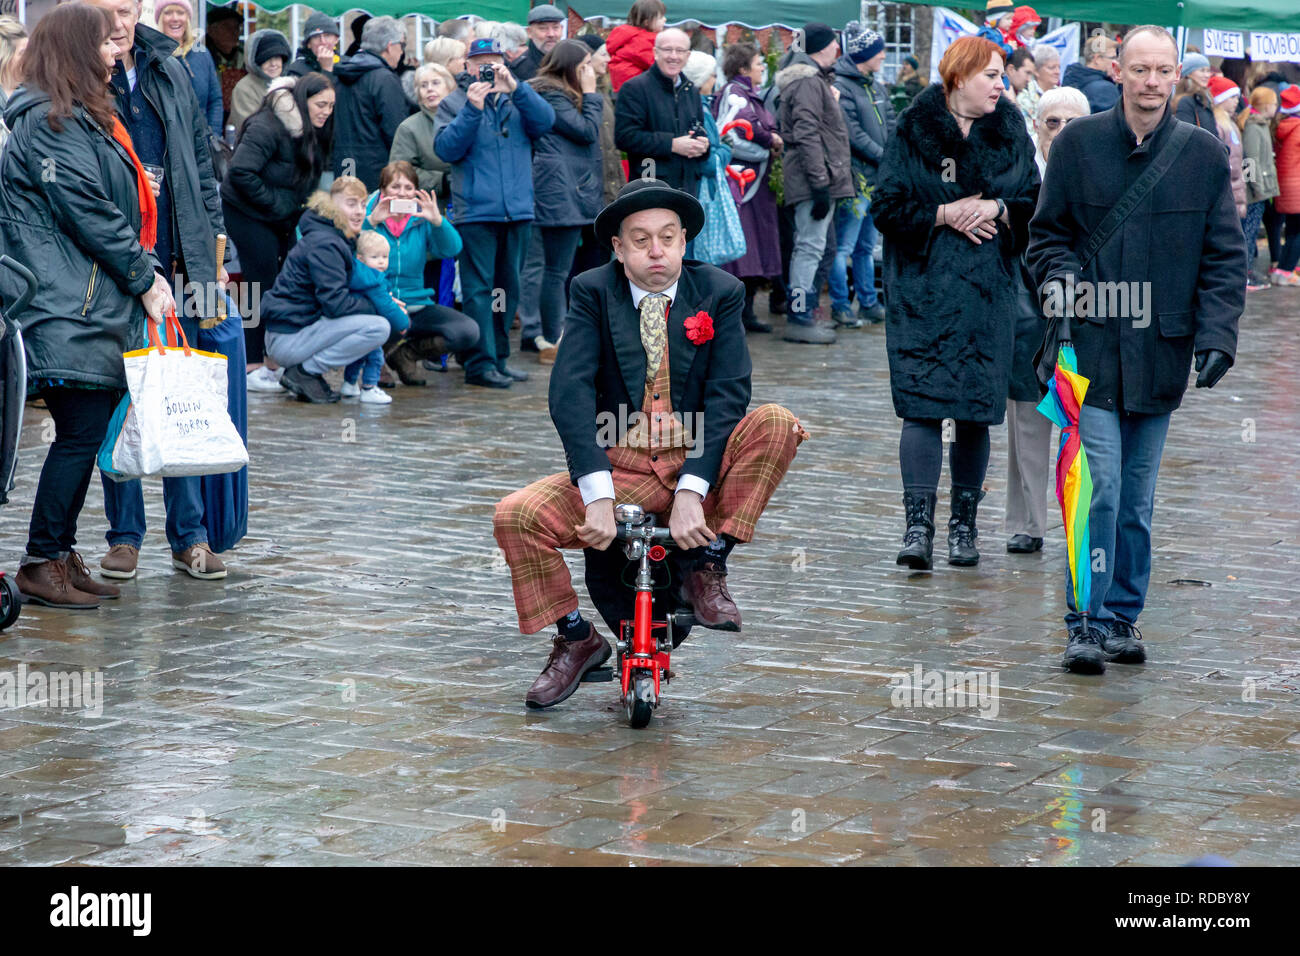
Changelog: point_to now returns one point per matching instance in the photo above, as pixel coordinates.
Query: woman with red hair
(957, 187)
(78, 209)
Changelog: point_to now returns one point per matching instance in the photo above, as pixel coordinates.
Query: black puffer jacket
(568, 188)
(313, 284)
(78, 231)
(868, 116)
(371, 105)
(264, 181)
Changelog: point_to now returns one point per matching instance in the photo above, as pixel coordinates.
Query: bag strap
(175, 333)
(1134, 195)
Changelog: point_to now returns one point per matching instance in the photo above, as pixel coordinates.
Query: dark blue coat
(370, 107)
(568, 178)
(1099, 89)
(203, 75)
(491, 152)
(315, 282)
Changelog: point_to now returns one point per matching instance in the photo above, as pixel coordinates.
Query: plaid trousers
(532, 525)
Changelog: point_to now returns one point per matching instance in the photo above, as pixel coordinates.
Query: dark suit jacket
(601, 364)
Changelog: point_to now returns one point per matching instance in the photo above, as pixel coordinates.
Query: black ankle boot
(962, 533)
(918, 540)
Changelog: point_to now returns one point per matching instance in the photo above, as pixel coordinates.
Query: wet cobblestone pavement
(353, 692)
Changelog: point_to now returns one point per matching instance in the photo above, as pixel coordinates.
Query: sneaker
(374, 395)
(1123, 644)
(844, 319)
(309, 387)
(1256, 287)
(350, 390)
(262, 379)
(814, 334)
(1278, 277)
(120, 562)
(198, 561)
(1083, 653)
(872, 314)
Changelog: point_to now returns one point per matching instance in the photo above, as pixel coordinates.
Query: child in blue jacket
(369, 280)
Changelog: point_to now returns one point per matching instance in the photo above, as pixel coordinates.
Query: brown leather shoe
(563, 672)
(120, 562)
(198, 561)
(47, 583)
(706, 590)
(405, 361)
(80, 579)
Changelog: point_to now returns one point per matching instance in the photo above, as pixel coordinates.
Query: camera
(697, 129)
(402, 207)
(486, 74)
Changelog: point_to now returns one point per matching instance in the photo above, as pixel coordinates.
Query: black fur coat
(950, 328)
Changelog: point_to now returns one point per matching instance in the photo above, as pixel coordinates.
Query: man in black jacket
(1141, 310)
(371, 104)
(649, 393)
(316, 55)
(545, 29)
(168, 130)
(659, 118)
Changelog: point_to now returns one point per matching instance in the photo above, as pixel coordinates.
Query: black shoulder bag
(1045, 358)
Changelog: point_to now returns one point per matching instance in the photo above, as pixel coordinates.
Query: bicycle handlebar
(650, 533)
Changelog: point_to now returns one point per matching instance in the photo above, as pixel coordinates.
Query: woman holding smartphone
(417, 231)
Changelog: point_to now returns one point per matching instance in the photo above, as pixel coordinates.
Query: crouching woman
(314, 322)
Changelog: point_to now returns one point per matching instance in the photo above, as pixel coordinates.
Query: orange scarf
(148, 205)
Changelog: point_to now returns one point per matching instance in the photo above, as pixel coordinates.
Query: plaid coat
(600, 367)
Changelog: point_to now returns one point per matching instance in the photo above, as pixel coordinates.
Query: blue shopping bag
(225, 496)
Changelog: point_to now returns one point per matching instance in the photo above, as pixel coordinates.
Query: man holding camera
(489, 129)
(659, 119)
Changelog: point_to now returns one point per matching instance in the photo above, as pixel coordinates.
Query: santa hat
(1289, 100)
(1223, 90)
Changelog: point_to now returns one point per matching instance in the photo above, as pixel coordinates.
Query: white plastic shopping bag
(175, 421)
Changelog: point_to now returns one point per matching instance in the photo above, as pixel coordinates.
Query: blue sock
(572, 626)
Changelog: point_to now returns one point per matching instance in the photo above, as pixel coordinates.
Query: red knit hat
(1289, 100)
(1223, 89)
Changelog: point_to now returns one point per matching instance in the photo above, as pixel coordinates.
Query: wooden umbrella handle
(221, 296)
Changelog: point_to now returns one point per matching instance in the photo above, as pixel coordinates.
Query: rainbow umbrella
(1064, 398)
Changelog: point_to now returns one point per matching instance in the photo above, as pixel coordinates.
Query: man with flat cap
(649, 394)
(545, 29)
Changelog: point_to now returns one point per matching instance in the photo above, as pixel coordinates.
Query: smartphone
(403, 207)
(486, 74)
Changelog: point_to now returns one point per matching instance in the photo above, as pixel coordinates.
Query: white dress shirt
(600, 484)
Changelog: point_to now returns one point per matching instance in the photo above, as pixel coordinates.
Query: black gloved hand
(1211, 364)
(821, 202)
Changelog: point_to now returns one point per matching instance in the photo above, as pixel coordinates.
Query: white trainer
(350, 390)
(374, 395)
(262, 379)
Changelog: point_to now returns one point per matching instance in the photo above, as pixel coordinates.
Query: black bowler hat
(642, 194)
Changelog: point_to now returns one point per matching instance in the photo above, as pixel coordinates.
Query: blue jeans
(1124, 452)
(367, 369)
(183, 499)
(855, 241)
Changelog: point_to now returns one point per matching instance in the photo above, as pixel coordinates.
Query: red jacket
(1288, 165)
(631, 53)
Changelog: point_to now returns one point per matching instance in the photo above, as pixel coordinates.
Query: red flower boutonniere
(699, 328)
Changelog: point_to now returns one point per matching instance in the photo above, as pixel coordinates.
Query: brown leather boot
(563, 672)
(80, 579)
(706, 590)
(405, 361)
(47, 583)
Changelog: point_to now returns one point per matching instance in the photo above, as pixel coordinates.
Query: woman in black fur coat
(957, 187)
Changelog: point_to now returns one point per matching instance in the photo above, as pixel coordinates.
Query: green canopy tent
(715, 13)
(515, 10)
(1241, 15)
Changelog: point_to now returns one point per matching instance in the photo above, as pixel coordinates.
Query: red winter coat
(631, 53)
(1287, 149)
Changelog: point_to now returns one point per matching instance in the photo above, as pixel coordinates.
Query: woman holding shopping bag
(87, 233)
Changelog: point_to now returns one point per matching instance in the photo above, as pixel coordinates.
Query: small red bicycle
(644, 644)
